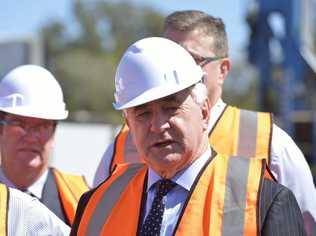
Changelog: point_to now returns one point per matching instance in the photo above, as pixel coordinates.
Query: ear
(205, 108)
(225, 67)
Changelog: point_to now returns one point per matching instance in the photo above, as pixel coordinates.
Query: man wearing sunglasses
(232, 131)
(31, 104)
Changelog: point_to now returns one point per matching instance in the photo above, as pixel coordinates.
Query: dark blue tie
(152, 224)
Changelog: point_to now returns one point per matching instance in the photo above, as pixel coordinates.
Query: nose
(159, 122)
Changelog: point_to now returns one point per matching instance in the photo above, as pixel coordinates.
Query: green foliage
(85, 63)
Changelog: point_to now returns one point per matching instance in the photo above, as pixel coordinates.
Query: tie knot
(164, 186)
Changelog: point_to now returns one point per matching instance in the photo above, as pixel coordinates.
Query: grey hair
(199, 93)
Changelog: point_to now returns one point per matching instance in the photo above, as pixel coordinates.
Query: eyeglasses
(42, 128)
(203, 61)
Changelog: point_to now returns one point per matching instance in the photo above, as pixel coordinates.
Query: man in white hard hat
(31, 103)
(251, 133)
(184, 187)
(21, 214)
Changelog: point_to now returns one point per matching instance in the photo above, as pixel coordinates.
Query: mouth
(30, 150)
(162, 144)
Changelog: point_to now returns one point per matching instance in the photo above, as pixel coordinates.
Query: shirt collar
(36, 188)
(216, 112)
(186, 177)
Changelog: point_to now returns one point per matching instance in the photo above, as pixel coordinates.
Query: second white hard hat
(32, 91)
(153, 68)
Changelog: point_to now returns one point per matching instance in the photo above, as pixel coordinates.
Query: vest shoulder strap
(225, 199)
(4, 202)
(100, 216)
(243, 133)
(70, 188)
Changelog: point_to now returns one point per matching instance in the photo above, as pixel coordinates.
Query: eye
(142, 114)
(171, 109)
(15, 123)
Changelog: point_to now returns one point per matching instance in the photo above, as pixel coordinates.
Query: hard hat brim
(26, 111)
(157, 93)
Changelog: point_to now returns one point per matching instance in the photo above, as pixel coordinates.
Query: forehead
(195, 41)
(175, 99)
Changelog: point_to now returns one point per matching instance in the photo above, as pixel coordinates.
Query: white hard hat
(32, 91)
(153, 68)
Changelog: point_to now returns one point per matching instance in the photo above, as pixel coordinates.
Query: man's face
(198, 45)
(26, 144)
(169, 133)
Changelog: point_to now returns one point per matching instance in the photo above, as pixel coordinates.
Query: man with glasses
(31, 103)
(232, 131)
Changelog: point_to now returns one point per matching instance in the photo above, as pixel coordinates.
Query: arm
(289, 166)
(280, 213)
(102, 171)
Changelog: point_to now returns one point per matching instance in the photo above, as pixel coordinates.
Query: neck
(22, 180)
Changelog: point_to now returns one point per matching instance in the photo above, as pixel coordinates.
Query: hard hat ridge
(32, 91)
(153, 68)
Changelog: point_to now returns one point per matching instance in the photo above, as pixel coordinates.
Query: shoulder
(279, 210)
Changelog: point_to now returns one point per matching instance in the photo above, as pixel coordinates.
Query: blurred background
(272, 47)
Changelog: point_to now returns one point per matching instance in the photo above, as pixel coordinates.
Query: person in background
(231, 130)
(183, 187)
(31, 103)
(22, 214)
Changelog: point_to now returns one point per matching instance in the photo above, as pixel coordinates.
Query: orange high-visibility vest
(242, 133)
(237, 132)
(70, 188)
(217, 203)
(4, 202)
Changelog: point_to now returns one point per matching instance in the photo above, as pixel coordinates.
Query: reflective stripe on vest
(107, 197)
(220, 203)
(70, 188)
(242, 133)
(4, 200)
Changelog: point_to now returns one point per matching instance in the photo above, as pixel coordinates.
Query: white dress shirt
(28, 216)
(288, 165)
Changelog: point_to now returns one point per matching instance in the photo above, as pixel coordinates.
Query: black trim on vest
(270, 139)
(192, 189)
(219, 118)
(142, 205)
(51, 199)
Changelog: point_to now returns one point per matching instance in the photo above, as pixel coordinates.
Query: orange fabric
(92, 204)
(70, 188)
(254, 176)
(224, 136)
(132, 194)
(203, 215)
(264, 129)
(3, 209)
(118, 155)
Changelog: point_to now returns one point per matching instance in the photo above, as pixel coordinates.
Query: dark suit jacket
(279, 212)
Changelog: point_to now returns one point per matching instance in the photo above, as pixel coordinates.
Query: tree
(85, 63)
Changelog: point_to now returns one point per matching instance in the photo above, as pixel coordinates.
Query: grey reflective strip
(109, 199)
(235, 196)
(247, 138)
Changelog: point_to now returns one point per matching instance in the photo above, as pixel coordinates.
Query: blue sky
(25, 17)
